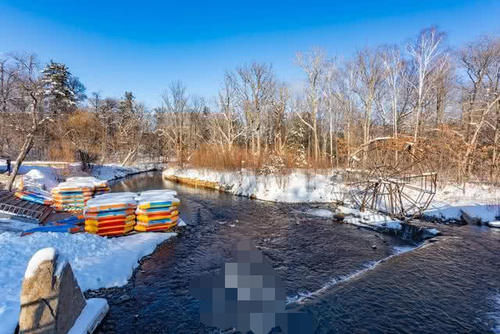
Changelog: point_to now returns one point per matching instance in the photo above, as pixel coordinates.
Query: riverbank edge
(120, 178)
(367, 220)
(296, 187)
(452, 203)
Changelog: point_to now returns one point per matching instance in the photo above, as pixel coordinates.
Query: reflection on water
(347, 278)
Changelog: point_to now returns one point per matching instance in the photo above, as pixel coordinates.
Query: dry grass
(237, 158)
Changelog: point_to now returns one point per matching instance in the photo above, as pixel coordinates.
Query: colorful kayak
(159, 221)
(155, 210)
(156, 227)
(108, 214)
(122, 229)
(157, 216)
(158, 204)
(33, 198)
(110, 221)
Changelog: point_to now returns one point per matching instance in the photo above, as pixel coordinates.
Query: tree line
(422, 93)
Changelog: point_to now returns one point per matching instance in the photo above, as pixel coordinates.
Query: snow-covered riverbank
(49, 174)
(96, 261)
(297, 187)
(482, 202)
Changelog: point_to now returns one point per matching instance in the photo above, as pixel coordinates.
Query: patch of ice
(320, 213)
(433, 231)
(494, 224)
(369, 219)
(402, 249)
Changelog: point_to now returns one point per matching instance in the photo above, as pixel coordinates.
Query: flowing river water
(348, 279)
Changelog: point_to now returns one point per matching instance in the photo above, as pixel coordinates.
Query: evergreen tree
(127, 103)
(62, 90)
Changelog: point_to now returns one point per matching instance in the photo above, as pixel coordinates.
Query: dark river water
(349, 280)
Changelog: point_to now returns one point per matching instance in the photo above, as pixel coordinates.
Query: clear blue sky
(141, 46)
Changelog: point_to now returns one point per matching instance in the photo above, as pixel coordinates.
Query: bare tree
(370, 75)
(32, 89)
(255, 87)
(313, 64)
(7, 82)
(227, 122)
(481, 61)
(424, 52)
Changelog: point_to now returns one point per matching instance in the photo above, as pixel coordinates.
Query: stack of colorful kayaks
(100, 186)
(72, 195)
(157, 210)
(110, 214)
(34, 194)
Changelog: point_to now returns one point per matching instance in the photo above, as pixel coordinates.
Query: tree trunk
(496, 139)
(130, 154)
(28, 144)
(366, 130)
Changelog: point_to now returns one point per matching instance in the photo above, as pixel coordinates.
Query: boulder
(51, 299)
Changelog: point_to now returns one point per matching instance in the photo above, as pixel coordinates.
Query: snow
(320, 213)
(167, 193)
(296, 187)
(122, 198)
(112, 171)
(44, 254)
(46, 177)
(38, 173)
(433, 231)
(96, 261)
(494, 224)
(478, 201)
(15, 225)
(91, 316)
(369, 219)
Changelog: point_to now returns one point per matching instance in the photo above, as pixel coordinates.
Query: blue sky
(115, 46)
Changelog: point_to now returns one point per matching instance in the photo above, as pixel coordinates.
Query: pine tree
(62, 91)
(127, 103)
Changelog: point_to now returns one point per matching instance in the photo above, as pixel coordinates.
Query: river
(348, 279)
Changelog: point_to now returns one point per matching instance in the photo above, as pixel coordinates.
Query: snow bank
(97, 262)
(296, 187)
(95, 310)
(111, 172)
(477, 201)
(47, 177)
(44, 177)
